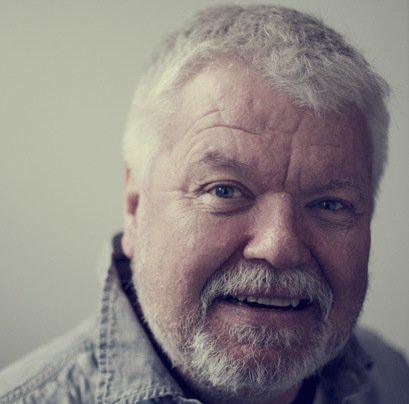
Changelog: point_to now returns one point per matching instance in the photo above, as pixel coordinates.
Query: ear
(130, 206)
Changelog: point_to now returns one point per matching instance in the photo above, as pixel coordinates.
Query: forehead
(231, 109)
(237, 94)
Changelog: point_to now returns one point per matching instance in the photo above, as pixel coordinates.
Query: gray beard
(200, 355)
(214, 368)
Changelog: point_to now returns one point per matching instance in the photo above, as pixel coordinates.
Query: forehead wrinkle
(294, 130)
(219, 121)
(227, 126)
(209, 150)
(286, 118)
(250, 112)
(173, 141)
(217, 111)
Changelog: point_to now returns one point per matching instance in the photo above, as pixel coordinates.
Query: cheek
(343, 258)
(184, 249)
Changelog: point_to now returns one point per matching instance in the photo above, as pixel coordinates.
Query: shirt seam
(105, 339)
(148, 393)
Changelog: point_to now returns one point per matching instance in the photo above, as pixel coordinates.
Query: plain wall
(67, 74)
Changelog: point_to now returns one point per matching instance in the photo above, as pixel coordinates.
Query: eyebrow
(219, 160)
(334, 185)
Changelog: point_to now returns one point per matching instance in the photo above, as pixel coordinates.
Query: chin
(267, 366)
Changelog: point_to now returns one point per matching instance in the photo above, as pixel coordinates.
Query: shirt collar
(130, 369)
(129, 366)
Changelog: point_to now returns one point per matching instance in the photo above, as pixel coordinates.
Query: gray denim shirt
(112, 360)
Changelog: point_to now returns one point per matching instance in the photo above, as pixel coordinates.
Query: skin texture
(300, 199)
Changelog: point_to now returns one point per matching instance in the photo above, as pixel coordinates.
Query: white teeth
(270, 302)
(295, 302)
(280, 302)
(263, 300)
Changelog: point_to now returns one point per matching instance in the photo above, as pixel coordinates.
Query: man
(254, 150)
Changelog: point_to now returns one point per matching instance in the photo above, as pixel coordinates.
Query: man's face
(254, 206)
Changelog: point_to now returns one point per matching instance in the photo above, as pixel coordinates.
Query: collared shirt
(112, 360)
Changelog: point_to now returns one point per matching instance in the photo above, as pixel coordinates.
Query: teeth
(295, 302)
(263, 300)
(270, 302)
(280, 302)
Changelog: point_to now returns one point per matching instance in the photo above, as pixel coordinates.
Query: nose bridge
(277, 219)
(276, 233)
(279, 208)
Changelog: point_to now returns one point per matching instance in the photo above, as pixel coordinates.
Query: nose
(275, 235)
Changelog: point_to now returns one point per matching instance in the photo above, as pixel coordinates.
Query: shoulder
(64, 368)
(382, 351)
(389, 374)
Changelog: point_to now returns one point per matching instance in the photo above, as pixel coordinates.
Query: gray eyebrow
(336, 184)
(217, 159)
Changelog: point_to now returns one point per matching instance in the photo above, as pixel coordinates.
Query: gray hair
(293, 51)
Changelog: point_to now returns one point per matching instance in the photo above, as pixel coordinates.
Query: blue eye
(225, 191)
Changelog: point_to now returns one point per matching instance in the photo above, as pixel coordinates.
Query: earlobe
(130, 207)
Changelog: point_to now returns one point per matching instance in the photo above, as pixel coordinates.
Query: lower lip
(232, 314)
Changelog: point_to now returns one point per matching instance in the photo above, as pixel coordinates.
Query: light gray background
(67, 73)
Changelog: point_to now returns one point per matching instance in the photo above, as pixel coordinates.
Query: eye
(331, 205)
(226, 192)
(334, 210)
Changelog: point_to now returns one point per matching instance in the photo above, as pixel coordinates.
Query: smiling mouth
(269, 304)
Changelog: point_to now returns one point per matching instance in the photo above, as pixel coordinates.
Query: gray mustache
(261, 278)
